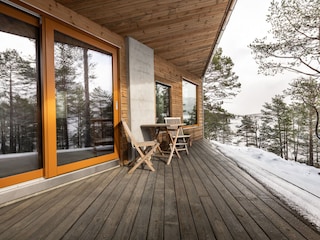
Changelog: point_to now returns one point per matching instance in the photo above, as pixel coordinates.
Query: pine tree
(217, 125)
(299, 125)
(220, 83)
(248, 130)
(307, 92)
(295, 41)
(277, 125)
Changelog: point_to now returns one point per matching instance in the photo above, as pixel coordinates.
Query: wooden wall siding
(164, 69)
(170, 75)
(183, 32)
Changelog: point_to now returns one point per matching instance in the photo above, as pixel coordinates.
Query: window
(189, 101)
(84, 100)
(162, 102)
(19, 95)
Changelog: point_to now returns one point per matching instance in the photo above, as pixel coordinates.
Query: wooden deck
(202, 196)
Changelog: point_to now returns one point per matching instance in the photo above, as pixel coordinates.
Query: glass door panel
(84, 100)
(19, 97)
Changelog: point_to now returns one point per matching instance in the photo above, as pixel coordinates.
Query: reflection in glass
(189, 95)
(19, 111)
(84, 109)
(162, 102)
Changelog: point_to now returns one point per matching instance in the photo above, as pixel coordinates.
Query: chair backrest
(173, 120)
(128, 133)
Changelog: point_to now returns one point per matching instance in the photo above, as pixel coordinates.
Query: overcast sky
(247, 22)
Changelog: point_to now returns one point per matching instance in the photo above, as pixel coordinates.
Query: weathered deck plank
(234, 225)
(140, 226)
(156, 226)
(202, 224)
(204, 195)
(241, 206)
(171, 223)
(74, 217)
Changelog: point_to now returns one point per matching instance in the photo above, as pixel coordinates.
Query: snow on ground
(296, 183)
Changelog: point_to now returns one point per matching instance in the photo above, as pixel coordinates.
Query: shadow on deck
(202, 196)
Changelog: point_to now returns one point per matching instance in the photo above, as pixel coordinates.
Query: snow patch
(296, 183)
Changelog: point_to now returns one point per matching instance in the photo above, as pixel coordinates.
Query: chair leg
(149, 164)
(145, 159)
(142, 160)
(177, 152)
(149, 155)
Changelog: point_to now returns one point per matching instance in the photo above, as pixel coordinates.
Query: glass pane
(189, 94)
(162, 102)
(84, 101)
(19, 111)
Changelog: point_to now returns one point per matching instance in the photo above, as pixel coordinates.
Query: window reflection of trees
(82, 94)
(189, 92)
(162, 102)
(18, 102)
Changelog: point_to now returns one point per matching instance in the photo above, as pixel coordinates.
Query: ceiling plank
(180, 31)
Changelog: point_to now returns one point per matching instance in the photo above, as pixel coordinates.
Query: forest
(285, 126)
(288, 124)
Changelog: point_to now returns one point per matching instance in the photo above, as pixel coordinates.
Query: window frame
(33, 20)
(50, 148)
(196, 102)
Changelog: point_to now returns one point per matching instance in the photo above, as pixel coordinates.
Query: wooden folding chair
(178, 138)
(145, 149)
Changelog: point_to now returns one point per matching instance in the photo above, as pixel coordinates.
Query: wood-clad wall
(164, 71)
(172, 76)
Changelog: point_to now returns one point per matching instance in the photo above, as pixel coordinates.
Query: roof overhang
(182, 32)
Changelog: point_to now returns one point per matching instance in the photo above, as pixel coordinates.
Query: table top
(159, 125)
(155, 125)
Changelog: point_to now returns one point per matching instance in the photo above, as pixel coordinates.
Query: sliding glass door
(61, 117)
(84, 100)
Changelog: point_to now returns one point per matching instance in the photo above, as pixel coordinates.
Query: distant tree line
(287, 125)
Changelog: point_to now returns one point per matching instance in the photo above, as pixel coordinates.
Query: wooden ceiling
(184, 32)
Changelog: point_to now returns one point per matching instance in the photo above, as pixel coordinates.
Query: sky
(295, 183)
(248, 22)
